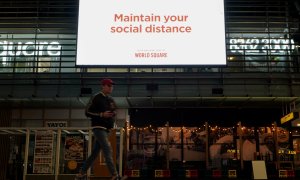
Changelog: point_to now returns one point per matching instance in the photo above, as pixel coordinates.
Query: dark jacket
(100, 103)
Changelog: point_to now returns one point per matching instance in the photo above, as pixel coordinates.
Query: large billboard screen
(151, 32)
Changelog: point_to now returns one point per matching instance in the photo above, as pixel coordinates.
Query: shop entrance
(212, 142)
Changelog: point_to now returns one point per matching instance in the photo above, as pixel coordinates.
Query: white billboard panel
(151, 32)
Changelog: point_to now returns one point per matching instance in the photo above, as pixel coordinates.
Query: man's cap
(107, 82)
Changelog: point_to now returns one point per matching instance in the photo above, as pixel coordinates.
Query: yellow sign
(159, 173)
(283, 151)
(232, 151)
(135, 173)
(287, 117)
(292, 152)
(72, 165)
(232, 173)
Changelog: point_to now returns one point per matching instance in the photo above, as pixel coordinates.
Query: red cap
(107, 82)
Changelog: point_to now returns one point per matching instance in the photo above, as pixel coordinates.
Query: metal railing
(56, 155)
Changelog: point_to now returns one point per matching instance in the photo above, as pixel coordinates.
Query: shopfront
(214, 147)
(168, 143)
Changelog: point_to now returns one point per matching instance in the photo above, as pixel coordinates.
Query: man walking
(101, 111)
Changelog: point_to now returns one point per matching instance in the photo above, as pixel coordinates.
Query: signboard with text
(43, 152)
(147, 32)
(289, 117)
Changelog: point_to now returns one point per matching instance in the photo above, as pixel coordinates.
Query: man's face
(107, 88)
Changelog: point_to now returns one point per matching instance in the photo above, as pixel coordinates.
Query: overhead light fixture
(7, 131)
(21, 131)
(66, 131)
(231, 58)
(82, 132)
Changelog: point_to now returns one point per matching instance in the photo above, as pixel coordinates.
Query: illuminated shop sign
(286, 151)
(254, 45)
(30, 48)
(289, 117)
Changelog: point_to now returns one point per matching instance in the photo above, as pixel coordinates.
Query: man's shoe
(80, 176)
(117, 177)
(124, 177)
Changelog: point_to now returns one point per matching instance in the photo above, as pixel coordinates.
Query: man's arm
(89, 112)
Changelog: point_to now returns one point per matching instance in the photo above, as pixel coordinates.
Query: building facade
(41, 83)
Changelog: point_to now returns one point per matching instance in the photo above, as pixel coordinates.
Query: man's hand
(108, 114)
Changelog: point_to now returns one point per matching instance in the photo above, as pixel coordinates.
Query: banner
(74, 146)
(43, 152)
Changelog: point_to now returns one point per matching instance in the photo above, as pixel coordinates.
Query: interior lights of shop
(216, 129)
